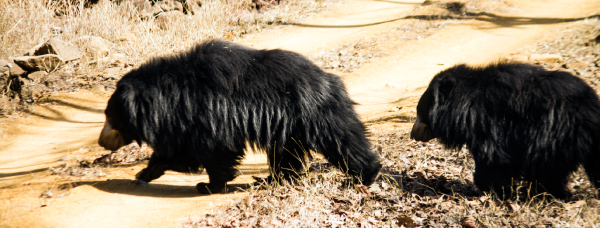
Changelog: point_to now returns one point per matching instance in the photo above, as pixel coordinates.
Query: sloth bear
(199, 108)
(519, 121)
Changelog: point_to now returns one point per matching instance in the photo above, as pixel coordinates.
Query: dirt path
(50, 132)
(60, 130)
(350, 22)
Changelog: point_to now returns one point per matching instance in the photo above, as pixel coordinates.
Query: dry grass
(579, 46)
(421, 184)
(23, 24)
(349, 57)
(130, 36)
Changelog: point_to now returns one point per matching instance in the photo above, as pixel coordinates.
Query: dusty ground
(62, 132)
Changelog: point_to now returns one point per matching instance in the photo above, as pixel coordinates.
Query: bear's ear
(444, 88)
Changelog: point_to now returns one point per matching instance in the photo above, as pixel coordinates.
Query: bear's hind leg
(553, 181)
(592, 169)
(550, 175)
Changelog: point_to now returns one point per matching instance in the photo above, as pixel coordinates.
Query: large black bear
(199, 108)
(519, 121)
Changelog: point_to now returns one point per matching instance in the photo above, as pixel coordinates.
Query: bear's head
(118, 128)
(439, 89)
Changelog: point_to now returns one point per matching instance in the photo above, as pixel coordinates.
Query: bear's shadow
(432, 186)
(130, 187)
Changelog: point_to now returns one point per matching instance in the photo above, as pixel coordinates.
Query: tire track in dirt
(350, 22)
(478, 41)
(51, 131)
(172, 199)
(490, 37)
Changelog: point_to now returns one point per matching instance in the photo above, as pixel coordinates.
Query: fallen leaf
(514, 207)
(362, 189)
(406, 221)
(469, 222)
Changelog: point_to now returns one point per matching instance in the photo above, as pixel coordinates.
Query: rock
(4, 68)
(113, 71)
(38, 76)
(145, 8)
(192, 7)
(98, 87)
(15, 69)
(576, 66)
(170, 5)
(116, 59)
(65, 50)
(56, 80)
(166, 19)
(57, 84)
(127, 37)
(59, 75)
(547, 58)
(48, 62)
(4, 65)
(32, 93)
(96, 47)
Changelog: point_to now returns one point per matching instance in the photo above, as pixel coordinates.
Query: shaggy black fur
(197, 110)
(519, 121)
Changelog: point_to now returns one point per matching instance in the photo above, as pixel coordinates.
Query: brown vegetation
(423, 184)
(117, 35)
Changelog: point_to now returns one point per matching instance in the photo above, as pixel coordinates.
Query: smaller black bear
(519, 121)
(198, 109)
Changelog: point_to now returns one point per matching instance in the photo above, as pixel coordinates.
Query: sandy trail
(167, 202)
(50, 132)
(349, 22)
(378, 84)
(473, 42)
(35, 142)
